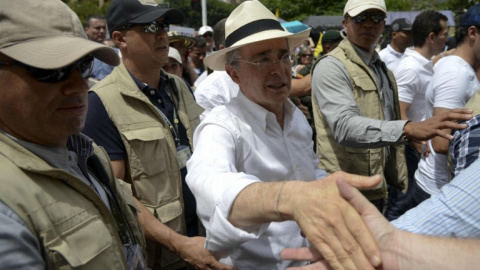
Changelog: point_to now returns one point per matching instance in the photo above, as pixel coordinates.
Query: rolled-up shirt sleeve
(333, 90)
(215, 182)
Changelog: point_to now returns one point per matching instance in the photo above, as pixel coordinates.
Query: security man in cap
(145, 119)
(401, 39)
(356, 107)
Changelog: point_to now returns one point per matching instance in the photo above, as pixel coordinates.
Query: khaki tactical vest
(334, 156)
(73, 226)
(151, 164)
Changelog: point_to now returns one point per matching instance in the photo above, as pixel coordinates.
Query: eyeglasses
(84, 65)
(376, 17)
(306, 55)
(151, 27)
(267, 62)
(207, 34)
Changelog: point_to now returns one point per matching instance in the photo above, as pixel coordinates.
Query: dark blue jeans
(399, 203)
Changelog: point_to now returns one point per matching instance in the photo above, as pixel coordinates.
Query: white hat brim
(217, 60)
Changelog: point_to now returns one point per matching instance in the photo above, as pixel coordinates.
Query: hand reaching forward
(192, 251)
(329, 222)
(382, 230)
(431, 127)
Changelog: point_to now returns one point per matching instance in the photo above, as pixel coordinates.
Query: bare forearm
(154, 229)
(301, 87)
(256, 204)
(414, 251)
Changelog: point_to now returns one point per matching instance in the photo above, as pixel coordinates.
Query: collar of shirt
(366, 57)
(261, 115)
(420, 58)
(392, 51)
(145, 88)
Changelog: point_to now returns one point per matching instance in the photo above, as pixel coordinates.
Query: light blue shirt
(454, 212)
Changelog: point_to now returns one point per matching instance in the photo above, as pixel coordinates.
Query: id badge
(183, 155)
(135, 260)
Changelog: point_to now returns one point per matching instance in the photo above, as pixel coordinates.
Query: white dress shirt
(216, 89)
(236, 145)
(413, 75)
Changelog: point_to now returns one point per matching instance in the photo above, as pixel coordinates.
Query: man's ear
(431, 37)
(233, 73)
(119, 39)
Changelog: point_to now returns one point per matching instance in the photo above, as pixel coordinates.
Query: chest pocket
(366, 95)
(153, 166)
(79, 245)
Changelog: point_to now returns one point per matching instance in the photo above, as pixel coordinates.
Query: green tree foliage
(288, 10)
(86, 8)
(216, 10)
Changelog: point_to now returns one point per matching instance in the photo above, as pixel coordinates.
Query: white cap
(355, 7)
(204, 29)
(173, 53)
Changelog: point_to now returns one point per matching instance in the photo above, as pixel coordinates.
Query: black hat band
(252, 28)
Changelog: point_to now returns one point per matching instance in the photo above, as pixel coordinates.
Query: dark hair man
(96, 28)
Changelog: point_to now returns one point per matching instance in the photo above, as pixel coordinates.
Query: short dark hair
(425, 23)
(200, 42)
(94, 16)
(219, 33)
(462, 32)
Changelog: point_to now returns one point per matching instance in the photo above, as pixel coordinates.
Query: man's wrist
(406, 137)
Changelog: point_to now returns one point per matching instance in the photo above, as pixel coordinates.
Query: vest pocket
(79, 245)
(166, 212)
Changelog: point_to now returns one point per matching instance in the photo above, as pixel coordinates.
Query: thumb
(360, 181)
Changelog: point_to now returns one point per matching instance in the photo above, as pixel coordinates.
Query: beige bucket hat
(46, 34)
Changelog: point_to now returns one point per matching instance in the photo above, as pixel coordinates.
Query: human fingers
(216, 265)
(321, 265)
(367, 244)
(354, 197)
(301, 254)
(359, 181)
(334, 240)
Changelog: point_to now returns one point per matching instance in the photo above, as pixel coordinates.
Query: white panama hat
(251, 22)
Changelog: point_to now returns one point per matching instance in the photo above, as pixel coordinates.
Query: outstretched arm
(326, 219)
(400, 249)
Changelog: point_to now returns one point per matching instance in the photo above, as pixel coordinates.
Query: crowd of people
(124, 145)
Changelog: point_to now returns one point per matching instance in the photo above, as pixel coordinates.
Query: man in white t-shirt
(401, 33)
(454, 82)
(413, 75)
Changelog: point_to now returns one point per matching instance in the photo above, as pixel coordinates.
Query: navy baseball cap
(122, 12)
(401, 24)
(471, 17)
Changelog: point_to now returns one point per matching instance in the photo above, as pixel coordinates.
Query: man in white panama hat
(246, 149)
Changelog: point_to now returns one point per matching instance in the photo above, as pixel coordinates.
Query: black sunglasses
(207, 34)
(376, 17)
(151, 27)
(84, 65)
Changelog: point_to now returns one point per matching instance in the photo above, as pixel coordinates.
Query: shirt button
(152, 92)
(393, 137)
